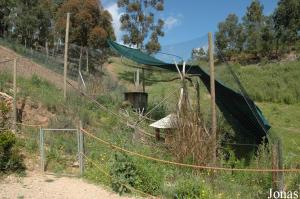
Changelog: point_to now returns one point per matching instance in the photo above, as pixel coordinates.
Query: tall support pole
(15, 96)
(213, 97)
(66, 55)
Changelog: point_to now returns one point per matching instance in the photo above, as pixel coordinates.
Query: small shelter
(167, 124)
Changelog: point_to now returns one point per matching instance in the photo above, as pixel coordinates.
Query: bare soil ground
(37, 185)
(26, 68)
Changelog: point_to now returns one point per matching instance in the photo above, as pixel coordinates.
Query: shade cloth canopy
(240, 111)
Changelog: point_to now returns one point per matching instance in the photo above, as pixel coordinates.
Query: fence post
(81, 149)
(274, 166)
(42, 150)
(198, 97)
(280, 166)
(78, 143)
(15, 96)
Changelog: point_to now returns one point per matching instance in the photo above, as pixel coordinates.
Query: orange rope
(187, 165)
(107, 174)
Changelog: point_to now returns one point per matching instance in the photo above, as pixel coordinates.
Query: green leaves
(139, 21)
(260, 37)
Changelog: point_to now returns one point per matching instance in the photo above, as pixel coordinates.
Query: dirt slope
(52, 187)
(27, 68)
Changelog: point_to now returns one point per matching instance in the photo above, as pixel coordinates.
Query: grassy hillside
(148, 176)
(274, 87)
(276, 82)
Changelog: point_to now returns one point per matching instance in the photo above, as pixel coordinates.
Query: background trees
(231, 36)
(40, 24)
(86, 23)
(287, 24)
(139, 21)
(258, 36)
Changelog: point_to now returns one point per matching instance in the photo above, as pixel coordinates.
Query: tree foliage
(40, 24)
(287, 22)
(231, 37)
(257, 36)
(90, 24)
(139, 22)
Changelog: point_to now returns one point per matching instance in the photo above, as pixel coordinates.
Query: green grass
(176, 181)
(284, 120)
(275, 88)
(276, 82)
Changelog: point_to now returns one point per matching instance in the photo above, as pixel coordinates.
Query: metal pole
(81, 149)
(66, 56)
(15, 96)
(42, 150)
(78, 143)
(213, 96)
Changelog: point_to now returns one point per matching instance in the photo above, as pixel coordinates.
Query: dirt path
(51, 187)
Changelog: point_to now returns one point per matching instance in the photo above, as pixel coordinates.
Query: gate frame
(80, 150)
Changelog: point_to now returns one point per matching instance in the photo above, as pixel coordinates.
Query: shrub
(10, 159)
(137, 174)
(124, 172)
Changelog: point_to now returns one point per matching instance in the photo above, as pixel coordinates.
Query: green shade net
(239, 110)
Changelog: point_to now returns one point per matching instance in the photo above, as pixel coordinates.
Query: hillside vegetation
(148, 176)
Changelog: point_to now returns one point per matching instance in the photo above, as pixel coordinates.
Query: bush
(137, 174)
(124, 172)
(10, 159)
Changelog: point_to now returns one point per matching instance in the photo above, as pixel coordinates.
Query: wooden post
(212, 93)
(274, 166)
(42, 150)
(280, 166)
(87, 59)
(15, 96)
(198, 97)
(81, 149)
(143, 76)
(66, 56)
(47, 49)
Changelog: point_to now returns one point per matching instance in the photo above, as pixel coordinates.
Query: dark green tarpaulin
(239, 111)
